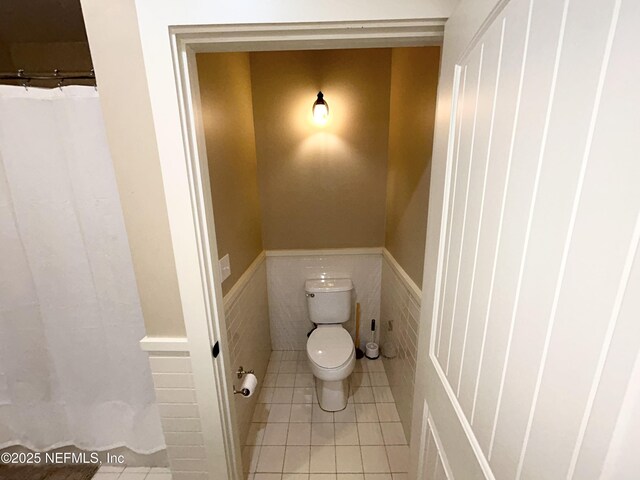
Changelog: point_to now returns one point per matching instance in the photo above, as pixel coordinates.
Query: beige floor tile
(276, 355)
(111, 469)
(360, 365)
(256, 433)
(303, 366)
(322, 434)
(398, 458)
(286, 380)
(160, 470)
(378, 379)
(289, 366)
(363, 395)
(400, 476)
(304, 380)
(350, 476)
(346, 415)
(295, 476)
(106, 476)
(279, 412)
(370, 434)
(266, 394)
(158, 476)
(296, 459)
(366, 412)
(374, 459)
(250, 456)
(282, 395)
(288, 355)
(320, 415)
(323, 459)
(271, 459)
(261, 412)
(375, 365)
(299, 434)
(270, 380)
(275, 434)
(377, 476)
(322, 476)
(346, 434)
(273, 366)
(302, 395)
(348, 459)
(360, 379)
(300, 413)
(132, 476)
(393, 433)
(387, 412)
(382, 394)
(267, 476)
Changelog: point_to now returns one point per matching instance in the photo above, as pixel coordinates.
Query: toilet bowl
(330, 349)
(332, 358)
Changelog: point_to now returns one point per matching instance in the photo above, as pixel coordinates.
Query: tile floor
(108, 472)
(291, 438)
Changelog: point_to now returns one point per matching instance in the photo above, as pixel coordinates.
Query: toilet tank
(329, 300)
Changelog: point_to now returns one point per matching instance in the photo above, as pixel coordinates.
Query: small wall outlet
(225, 267)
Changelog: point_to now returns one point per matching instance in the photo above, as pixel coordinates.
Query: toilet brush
(373, 351)
(359, 352)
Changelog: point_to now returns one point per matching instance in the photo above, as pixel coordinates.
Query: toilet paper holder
(241, 373)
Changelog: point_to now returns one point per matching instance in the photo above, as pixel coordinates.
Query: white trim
(164, 344)
(441, 453)
(424, 439)
(189, 208)
(244, 280)
(325, 252)
(466, 426)
(404, 277)
(312, 35)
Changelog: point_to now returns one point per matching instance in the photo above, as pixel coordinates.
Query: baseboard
(152, 343)
(325, 252)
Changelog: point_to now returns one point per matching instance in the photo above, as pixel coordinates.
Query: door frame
(198, 273)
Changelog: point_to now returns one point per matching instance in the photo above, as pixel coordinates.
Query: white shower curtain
(71, 370)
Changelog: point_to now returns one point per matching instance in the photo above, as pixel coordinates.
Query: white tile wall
(179, 414)
(286, 274)
(400, 307)
(248, 335)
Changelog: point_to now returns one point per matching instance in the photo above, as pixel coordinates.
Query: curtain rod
(55, 75)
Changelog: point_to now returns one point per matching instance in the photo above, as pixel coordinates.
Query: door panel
(530, 258)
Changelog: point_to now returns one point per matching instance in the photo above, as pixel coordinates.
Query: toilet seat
(330, 346)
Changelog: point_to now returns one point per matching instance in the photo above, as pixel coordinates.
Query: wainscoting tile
(287, 303)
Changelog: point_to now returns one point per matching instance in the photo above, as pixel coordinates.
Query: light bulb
(320, 110)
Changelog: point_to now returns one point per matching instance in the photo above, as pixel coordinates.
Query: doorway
(187, 46)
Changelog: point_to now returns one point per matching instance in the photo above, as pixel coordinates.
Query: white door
(530, 330)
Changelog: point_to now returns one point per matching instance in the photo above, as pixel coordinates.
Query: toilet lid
(329, 347)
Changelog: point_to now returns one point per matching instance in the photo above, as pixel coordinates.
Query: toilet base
(332, 395)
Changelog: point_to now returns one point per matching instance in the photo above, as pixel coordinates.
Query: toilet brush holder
(372, 351)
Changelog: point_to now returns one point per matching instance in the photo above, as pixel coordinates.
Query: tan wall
(117, 57)
(322, 187)
(225, 90)
(414, 79)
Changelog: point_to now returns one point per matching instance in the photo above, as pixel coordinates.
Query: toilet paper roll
(249, 384)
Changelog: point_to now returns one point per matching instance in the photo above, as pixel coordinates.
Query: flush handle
(310, 295)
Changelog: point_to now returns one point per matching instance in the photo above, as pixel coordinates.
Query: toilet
(330, 348)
